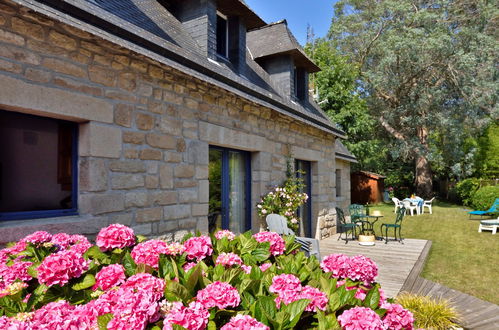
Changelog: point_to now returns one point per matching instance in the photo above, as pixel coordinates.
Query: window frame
(225, 212)
(338, 182)
(226, 20)
(27, 215)
(308, 190)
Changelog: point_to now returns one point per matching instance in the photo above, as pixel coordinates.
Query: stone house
(167, 116)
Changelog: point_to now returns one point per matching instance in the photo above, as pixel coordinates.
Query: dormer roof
(276, 39)
(241, 9)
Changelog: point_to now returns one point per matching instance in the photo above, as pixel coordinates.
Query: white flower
(259, 206)
(264, 211)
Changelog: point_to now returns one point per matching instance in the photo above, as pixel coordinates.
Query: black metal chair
(345, 226)
(397, 226)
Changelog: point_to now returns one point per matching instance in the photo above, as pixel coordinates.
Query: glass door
(305, 211)
(230, 195)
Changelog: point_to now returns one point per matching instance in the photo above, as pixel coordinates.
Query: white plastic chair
(398, 204)
(491, 225)
(428, 205)
(278, 224)
(410, 206)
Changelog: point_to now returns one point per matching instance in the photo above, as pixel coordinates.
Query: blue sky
(298, 13)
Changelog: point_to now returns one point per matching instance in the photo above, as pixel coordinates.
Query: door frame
(308, 190)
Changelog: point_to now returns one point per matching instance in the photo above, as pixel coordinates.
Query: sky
(298, 13)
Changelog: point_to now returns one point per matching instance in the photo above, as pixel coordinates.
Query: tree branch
(398, 135)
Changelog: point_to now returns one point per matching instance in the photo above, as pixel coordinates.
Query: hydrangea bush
(222, 281)
(285, 201)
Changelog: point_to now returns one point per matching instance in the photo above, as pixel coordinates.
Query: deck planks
(395, 261)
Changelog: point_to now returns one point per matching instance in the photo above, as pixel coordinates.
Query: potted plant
(367, 237)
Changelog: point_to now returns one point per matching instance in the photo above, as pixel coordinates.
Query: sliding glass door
(230, 194)
(303, 172)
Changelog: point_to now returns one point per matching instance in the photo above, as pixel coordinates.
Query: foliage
(428, 73)
(206, 282)
(483, 198)
(429, 313)
(285, 201)
(466, 188)
(488, 153)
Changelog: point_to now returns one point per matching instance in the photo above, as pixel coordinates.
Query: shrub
(285, 201)
(221, 281)
(429, 313)
(466, 188)
(484, 197)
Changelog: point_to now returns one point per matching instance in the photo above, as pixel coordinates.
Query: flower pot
(367, 239)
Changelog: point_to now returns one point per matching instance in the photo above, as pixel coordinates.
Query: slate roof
(148, 28)
(342, 152)
(276, 39)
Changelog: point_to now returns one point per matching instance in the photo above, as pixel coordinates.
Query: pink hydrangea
(134, 309)
(362, 269)
(198, 247)
(277, 244)
(175, 249)
(219, 294)
(115, 236)
(80, 244)
(148, 252)
(336, 264)
(240, 321)
(6, 253)
(187, 266)
(18, 271)
(318, 299)
(109, 276)
(60, 267)
(38, 237)
(61, 315)
(285, 282)
(360, 318)
(265, 266)
(225, 233)
(398, 318)
(357, 268)
(246, 269)
(193, 317)
(146, 282)
(228, 259)
(62, 240)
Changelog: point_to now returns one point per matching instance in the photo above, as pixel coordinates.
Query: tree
(428, 71)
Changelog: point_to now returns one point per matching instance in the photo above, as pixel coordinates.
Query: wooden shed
(367, 187)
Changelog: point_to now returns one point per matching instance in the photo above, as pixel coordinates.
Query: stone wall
(144, 130)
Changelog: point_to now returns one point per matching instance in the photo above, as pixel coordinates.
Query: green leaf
(178, 290)
(267, 306)
(165, 268)
(193, 279)
(295, 310)
(36, 296)
(260, 254)
(103, 320)
(141, 238)
(247, 244)
(372, 298)
(212, 326)
(177, 327)
(129, 265)
(334, 301)
(32, 270)
(95, 253)
(85, 283)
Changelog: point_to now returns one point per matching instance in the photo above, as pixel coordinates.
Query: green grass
(460, 257)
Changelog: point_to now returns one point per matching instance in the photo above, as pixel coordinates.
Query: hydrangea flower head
(219, 294)
(277, 244)
(198, 247)
(228, 259)
(225, 233)
(193, 317)
(318, 299)
(60, 267)
(115, 236)
(240, 321)
(109, 276)
(38, 237)
(360, 318)
(285, 282)
(148, 252)
(398, 318)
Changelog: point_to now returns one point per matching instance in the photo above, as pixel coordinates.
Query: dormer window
(300, 82)
(222, 35)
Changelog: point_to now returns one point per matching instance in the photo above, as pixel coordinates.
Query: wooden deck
(396, 262)
(475, 313)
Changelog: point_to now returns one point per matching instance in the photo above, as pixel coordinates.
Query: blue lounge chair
(493, 209)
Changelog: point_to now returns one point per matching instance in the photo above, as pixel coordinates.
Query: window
(37, 167)
(303, 171)
(229, 190)
(338, 183)
(222, 36)
(300, 83)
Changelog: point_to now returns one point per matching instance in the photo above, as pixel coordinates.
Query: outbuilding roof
(148, 28)
(342, 152)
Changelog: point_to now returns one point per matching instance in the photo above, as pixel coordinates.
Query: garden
(222, 281)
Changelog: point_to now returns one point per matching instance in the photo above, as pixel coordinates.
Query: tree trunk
(423, 180)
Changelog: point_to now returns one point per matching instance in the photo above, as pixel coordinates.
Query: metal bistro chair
(357, 214)
(396, 226)
(345, 226)
(278, 224)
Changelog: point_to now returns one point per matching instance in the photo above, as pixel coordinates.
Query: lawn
(460, 257)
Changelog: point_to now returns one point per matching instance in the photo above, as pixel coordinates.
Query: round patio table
(370, 220)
